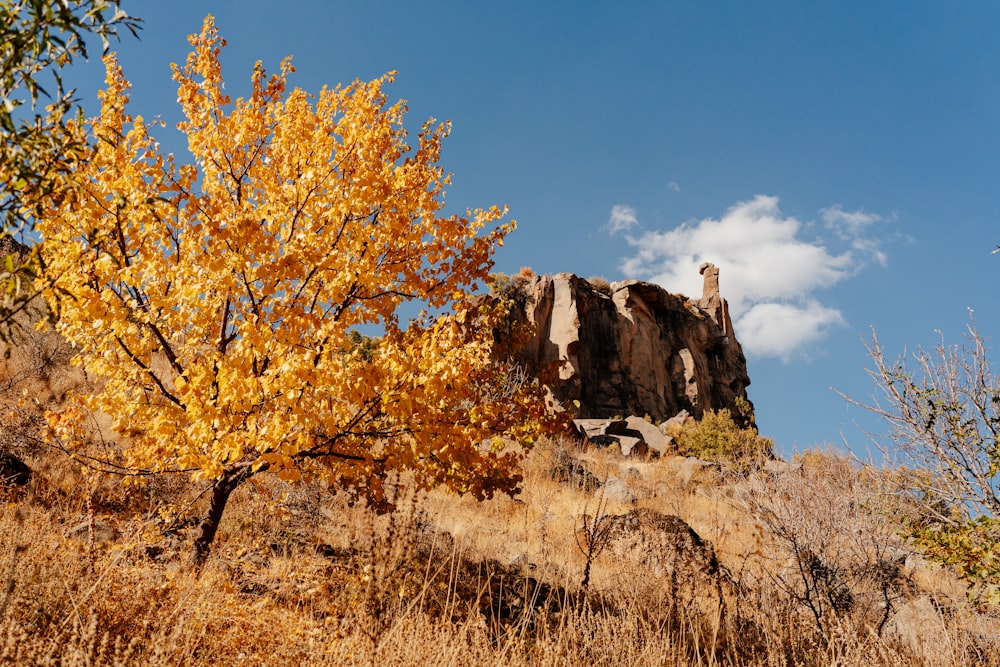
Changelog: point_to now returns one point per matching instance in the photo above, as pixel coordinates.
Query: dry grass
(300, 577)
(313, 581)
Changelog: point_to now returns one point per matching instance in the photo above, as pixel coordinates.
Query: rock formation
(634, 348)
(634, 436)
(662, 542)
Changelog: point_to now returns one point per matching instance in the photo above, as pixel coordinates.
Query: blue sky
(837, 160)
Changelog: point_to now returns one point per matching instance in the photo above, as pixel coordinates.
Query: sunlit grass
(299, 576)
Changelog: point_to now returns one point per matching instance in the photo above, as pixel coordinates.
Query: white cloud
(758, 250)
(872, 248)
(853, 226)
(622, 218)
(673, 186)
(775, 329)
(770, 268)
(848, 223)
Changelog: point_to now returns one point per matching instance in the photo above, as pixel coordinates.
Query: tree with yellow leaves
(219, 302)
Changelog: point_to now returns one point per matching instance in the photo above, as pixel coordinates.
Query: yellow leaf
(214, 301)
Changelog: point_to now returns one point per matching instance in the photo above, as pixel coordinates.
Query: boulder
(102, 532)
(641, 351)
(688, 468)
(664, 543)
(13, 471)
(678, 421)
(572, 473)
(633, 436)
(650, 434)
(632, 446)
(594, 428)
(617, 491)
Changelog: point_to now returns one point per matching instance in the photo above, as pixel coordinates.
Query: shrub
(941, 408)
(832, 553)
(510, 286)
(600, 284)
(717, 437)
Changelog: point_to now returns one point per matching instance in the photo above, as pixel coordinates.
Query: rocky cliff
(634, 348)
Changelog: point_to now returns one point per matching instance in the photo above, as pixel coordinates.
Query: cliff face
(638, 350)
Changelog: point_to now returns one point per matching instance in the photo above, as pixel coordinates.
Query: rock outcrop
(662, 542)
(633, 435)
(633, 348)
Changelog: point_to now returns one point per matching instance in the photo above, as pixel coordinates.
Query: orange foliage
(216, 299)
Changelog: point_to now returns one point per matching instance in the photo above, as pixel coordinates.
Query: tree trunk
(223, 488)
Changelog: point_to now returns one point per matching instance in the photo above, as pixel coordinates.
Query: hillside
(601, 559)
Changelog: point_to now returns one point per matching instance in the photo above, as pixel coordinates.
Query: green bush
(717, 437)
(972, 547)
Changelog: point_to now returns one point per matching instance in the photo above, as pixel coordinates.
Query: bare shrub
(835, 553)
(35, 374)
(942, 410)
(592, 537)
(943, 416)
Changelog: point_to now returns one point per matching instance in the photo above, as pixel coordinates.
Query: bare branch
(942, 415)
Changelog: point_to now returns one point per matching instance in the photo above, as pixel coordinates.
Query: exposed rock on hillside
(635, 349)
(633, 435)
(662, 542)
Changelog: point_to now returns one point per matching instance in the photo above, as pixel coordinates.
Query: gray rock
(103, 533)
(572, 473)
(665, 544)
(615, 490)
(687, 468)
(651, 434)
(633, 436)
(631, 446)
(678, 420)
(592, 428)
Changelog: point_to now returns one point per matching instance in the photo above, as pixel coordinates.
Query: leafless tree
(942, 410)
